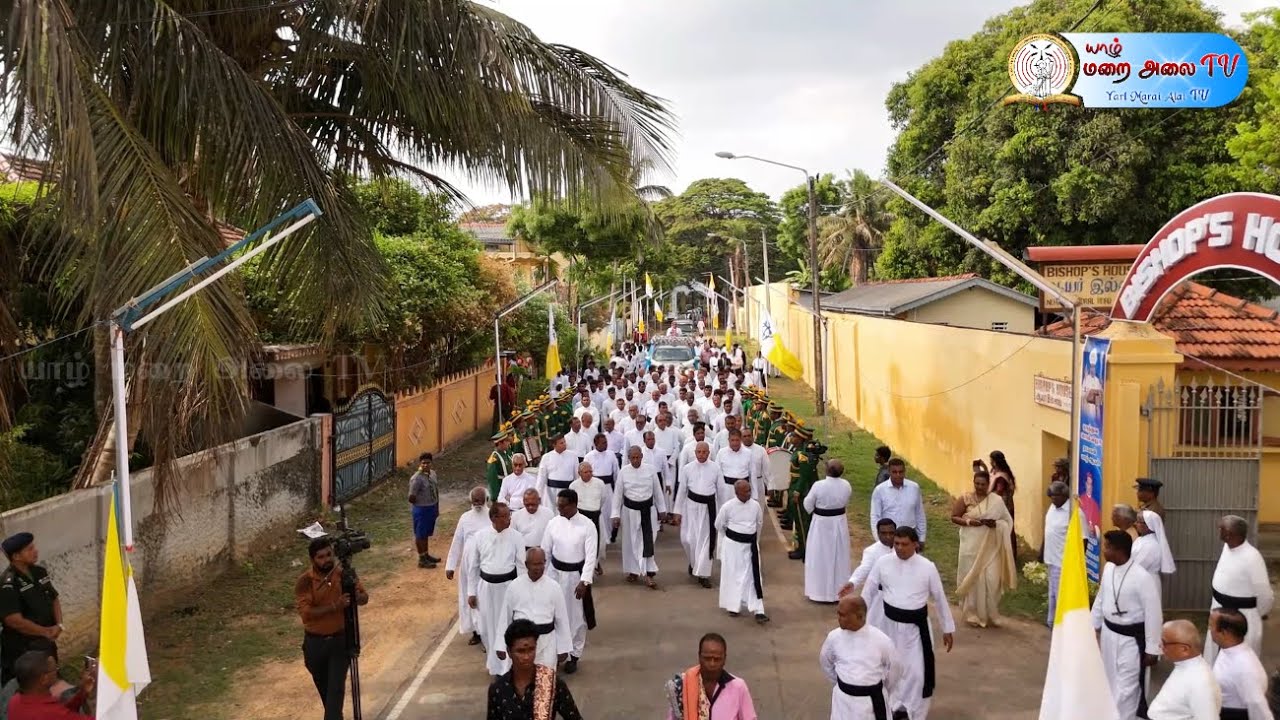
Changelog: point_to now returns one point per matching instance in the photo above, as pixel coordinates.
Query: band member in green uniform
(791, 444)
(764, 430)
(809, 457)
(780, 425)
(499, 465)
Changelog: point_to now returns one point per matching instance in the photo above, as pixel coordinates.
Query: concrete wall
(977, 308)
(226, 500)
(435, 418)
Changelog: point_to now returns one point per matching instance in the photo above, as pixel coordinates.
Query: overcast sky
(799, 81)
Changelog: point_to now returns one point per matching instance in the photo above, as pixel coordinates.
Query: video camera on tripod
(347, 542)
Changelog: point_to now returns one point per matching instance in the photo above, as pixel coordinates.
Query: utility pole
(764, 247)
(746, 305)
(819, 360)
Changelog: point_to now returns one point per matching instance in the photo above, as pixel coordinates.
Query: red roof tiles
(1207, 324)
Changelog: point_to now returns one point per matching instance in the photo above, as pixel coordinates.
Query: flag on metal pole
(123, 669)
(775, 352)
(553, 345)
(657, 307)
(648, 286)
(714, 307)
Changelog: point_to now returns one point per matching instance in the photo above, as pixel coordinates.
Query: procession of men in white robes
(595, 498)
(540, 600)
(870, 555)
(513, 486)
(695, 511)
(570, 542)
(740, 521)
(530, 518)
(495, 557)
(638, 504)
(471, 521)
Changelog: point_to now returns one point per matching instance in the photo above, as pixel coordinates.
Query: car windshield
(672, 353)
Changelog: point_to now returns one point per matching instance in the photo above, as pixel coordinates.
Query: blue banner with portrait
(1093, 382)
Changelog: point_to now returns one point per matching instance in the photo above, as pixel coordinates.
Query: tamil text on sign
(1095, 284)
(1053, 393)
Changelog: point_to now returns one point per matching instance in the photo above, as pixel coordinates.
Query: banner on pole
(1093, 382)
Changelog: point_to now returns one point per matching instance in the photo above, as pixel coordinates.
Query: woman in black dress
(528, 691)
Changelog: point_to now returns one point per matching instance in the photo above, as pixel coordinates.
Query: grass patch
(856, 447)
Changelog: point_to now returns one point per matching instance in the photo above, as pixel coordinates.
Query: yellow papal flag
(775, 352)
(657, 308)
(648, 286)
(123, 670)
(553, 345)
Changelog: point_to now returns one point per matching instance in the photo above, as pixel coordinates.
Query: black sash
(593, 516)
(559, 484)
(920, 618)
(606, 479)
(646, 522)
(545, 629)
(500, 578)
(1137, 631)
(731, 480)
(750, 539)
(1234, 603)
(588, 604)
(874, 692)
(1234, 714)
(710, 502)
(831, 512)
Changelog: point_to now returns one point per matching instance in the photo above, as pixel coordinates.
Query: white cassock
(637, 501)
(513, 486)
(634, 438)
(1243, 682)
(741, 576)
(595, 498)
(905, 587)
(826, 552)
(541, 603)
(570, 545)
(696, 506)
(578, 443)
(1240, 579)
(735, 466)
(556, 471)
(468, 523)
(531, 525)
(1189, 693)
(870, 554)
(669, 440)
(580, 409)
(494, 559)
(1127, 613)
(860, 664)
(657, 457)
(759, 468)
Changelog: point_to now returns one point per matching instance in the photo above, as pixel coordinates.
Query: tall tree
(707, 223)
(849, 238)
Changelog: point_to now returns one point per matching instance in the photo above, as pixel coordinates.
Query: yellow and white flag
(657, 307)
(553, 345)
(123, 670)
(1075, 684)
(713, 303)
(648, 286)
(775, 352)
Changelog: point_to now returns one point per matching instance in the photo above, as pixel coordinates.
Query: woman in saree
(986, 566)
(528, 691)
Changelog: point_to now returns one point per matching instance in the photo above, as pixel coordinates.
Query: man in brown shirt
(322, 606)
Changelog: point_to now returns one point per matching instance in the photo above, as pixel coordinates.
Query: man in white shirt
(721, 438)
(870, 555)
(735, 462)
(1240, 582)
(859, 659)
(1190, 692)
(613, 440)
(570, 542)
(699, 435)
(595, 498)
(520, 479)
(759, 464)
(635, 438)
(577, 441)
(472, 520)
(584, 404)
(590, 426)
(651, 405)
(638, 505)
(655, 455)
(905, 582)
(668, 438)
(557, 468)
(695, 512)
(691, 421)
(495, 557)
(619, 413)
(1056, 519)
(538, 599)
(531, 519)
(826, 558)
(1127, 615)
(900, 501)
(1240, 675)
(740, 521)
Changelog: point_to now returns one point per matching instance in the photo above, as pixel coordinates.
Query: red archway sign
(1236, 230)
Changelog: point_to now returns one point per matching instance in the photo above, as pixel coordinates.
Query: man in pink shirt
(705, 691)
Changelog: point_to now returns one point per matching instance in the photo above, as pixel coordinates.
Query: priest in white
(638, 505)
(905, 582)
(870, 555)
(739, 523)
(557, 468)
(858, 658)
(530, 520)
(570, 542)
(577, 440)
(1127, 614)
(758, 464)
(826, 557)
(668, 438)
(538, 599)
(595, 498)
(1191, 691)
(495, 557)
(469, 523)
(520, 479)
(1240, 582)
(735, 463)
(695, 512)
(1240, 675)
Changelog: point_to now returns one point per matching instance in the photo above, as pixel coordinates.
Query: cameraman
(322, 606)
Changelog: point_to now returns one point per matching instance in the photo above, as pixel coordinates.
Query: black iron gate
(364, 443)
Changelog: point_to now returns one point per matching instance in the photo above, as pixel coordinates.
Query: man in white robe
(870, 555)
(1240, 582)
(638, 505)
(520, 479)
(495, 557)
(570, 543)
(668, 438)
(1240, 675)
(1191, 691)
(577, 441)
(1127, 614)
(557, 468)
(739, 522)
(695, 513)
(655, 455)
(735, 462)
(613, 440)
(905, 582)
(858, 658)
(538, 599)
(469, 523)
(530, 520)
(595, 498)
(758, 465)
(826, 558)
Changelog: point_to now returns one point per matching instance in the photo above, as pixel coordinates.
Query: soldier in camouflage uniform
(805, 464)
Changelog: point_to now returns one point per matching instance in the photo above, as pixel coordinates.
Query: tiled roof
(1220, 329)
(15, 168)
(892, 297)
(488, 232)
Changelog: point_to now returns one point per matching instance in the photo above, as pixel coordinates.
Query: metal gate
(364, 443)
(1205, 445)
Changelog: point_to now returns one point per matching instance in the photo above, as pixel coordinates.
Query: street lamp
(819, 375)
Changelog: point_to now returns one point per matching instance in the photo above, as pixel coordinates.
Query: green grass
(856, 447)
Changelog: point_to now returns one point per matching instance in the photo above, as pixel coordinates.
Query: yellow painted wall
(977, 308)
(432, 419)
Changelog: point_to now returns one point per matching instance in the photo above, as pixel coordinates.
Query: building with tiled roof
(957, 300)
(527, 264)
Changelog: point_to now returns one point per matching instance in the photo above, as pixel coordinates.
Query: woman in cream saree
(986, 567)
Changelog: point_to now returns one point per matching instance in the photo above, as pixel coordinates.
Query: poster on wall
(1093, 381)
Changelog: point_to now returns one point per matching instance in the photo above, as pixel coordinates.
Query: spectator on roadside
(424, 498)
(883, 453)
(42, 695)
(30, 610)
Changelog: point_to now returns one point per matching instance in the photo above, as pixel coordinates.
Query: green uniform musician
(807, 459)
(499, 465)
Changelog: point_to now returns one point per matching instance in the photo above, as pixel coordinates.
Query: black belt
(606, 479)
(874, 692)
(646, 522)
(1137, 631)
(710, 501)
(593, 516)
(500, 578)
(750, 540)
(1232, 602)
(559, 484)
(545, 628)
(1234, 714)
(831, 512)
(731, 480)
(920, 618)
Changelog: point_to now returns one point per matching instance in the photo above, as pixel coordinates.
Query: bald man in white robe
(1240, 582)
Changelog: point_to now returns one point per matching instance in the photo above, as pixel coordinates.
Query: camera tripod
(352, 616)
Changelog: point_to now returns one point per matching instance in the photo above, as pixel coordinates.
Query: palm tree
(847, 238)
(160, 119)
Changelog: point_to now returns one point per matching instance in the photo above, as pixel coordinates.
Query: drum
(779, 470)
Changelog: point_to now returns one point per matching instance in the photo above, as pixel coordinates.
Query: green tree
(793, 230)
(706, 224)
(1256, 146)
(393, 207)
(849, 238)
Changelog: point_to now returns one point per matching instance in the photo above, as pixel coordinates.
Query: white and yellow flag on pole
(775, 352)
(123, 670)
(648, 286)
(553, 345)
(1075, 684)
